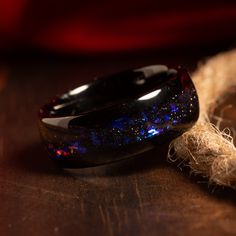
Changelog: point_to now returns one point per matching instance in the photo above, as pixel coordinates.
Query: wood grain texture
(142, 196)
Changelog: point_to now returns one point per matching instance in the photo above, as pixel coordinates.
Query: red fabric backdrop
(109, 26)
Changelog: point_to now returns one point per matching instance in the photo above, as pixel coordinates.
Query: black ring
(117, 116)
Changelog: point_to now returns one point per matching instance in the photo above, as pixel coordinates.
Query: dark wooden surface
(142, 196)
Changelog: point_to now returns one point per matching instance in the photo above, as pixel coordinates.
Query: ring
(118, 116)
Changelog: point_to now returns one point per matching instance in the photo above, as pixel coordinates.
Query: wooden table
(142, 196)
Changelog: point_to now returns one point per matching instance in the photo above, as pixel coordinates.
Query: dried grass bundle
(207, 150)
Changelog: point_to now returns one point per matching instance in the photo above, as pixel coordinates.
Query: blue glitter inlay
(144, 116)
(174, 122)
(167, 117)
(157, 120)
(153, 122)
(153, 132)
(121, 123)
(142, 132)
(173, 108)
(142, 125)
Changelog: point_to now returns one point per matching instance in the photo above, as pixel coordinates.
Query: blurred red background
(114, 26)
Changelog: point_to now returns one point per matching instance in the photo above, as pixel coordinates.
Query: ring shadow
(35, 159)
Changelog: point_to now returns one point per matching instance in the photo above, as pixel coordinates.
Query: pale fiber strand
(205, 149)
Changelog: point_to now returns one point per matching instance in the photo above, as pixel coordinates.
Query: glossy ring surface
(117, 116)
